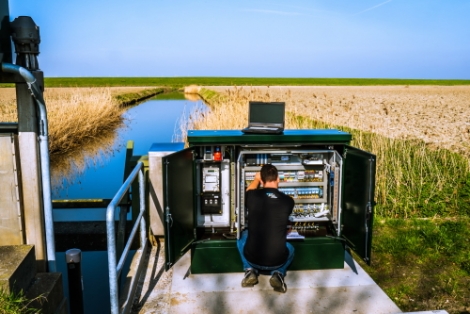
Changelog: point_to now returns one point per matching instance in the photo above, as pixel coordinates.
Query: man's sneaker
(277, 282)
(250, 279)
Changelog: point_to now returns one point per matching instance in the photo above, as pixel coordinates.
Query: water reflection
(97, 172)
(67, 168)
(192, 97)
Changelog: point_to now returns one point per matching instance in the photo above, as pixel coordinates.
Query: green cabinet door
(178, 202)
(358, 200)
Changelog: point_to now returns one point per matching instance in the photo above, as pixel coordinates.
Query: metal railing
(123, 303)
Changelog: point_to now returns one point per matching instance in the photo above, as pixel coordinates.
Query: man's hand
(255, 183)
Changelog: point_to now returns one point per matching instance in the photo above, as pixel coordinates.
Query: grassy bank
(420, 254)
(82, 122)
(128, 99)
(234, 81)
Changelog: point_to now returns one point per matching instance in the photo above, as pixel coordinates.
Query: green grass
(423, 264)
(170, 95)
(15, 303)
(237, 81)
(136, 97)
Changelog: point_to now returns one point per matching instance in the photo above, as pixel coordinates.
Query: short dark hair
(268, 173)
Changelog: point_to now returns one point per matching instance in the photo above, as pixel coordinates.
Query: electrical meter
(211, 200)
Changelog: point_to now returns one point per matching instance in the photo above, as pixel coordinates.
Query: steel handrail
(116, 268)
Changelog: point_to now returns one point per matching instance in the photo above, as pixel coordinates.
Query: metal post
(73, 258)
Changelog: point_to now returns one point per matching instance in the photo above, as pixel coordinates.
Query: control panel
(311, 178)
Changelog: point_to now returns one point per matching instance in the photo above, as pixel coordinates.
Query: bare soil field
(438, 115)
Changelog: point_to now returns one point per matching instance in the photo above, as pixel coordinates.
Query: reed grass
(82, 124)
(412, 180)
(80, 116)
(8, 111)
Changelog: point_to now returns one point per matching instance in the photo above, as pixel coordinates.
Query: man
(263, 246)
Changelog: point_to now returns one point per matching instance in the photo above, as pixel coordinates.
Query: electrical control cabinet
(204, 187)
(307, 176)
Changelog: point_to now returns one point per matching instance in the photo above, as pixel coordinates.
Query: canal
(156, 120)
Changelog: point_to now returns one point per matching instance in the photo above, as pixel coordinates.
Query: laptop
(265, 117)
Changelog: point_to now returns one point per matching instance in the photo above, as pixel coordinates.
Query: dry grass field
(438, 115)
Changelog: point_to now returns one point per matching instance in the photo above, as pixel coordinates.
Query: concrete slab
(348, 290)
(17, 267)
(46, 293)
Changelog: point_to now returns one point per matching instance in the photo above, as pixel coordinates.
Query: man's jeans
(246, 265)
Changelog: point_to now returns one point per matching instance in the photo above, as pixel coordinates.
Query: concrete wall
(11, 216)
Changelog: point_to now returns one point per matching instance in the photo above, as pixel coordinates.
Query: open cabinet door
(178, 202)
(358, 200)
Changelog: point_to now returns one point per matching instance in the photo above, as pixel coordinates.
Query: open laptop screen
(269, 113)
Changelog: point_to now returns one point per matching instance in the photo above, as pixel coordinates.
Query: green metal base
(221, 256)
(318, 253)
(217, 256)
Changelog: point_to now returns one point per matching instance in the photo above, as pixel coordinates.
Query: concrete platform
(348, 290)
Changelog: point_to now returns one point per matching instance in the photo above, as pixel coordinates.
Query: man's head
(269, 175)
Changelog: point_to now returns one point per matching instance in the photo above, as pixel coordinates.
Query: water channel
(153, 121)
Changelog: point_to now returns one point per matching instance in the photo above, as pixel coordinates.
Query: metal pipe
(44, 157)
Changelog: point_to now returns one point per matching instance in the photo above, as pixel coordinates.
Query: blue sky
(298, 38)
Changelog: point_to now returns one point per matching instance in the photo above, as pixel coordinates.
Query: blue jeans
(247, 265)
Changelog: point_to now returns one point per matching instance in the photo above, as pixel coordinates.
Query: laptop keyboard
(262, 128)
